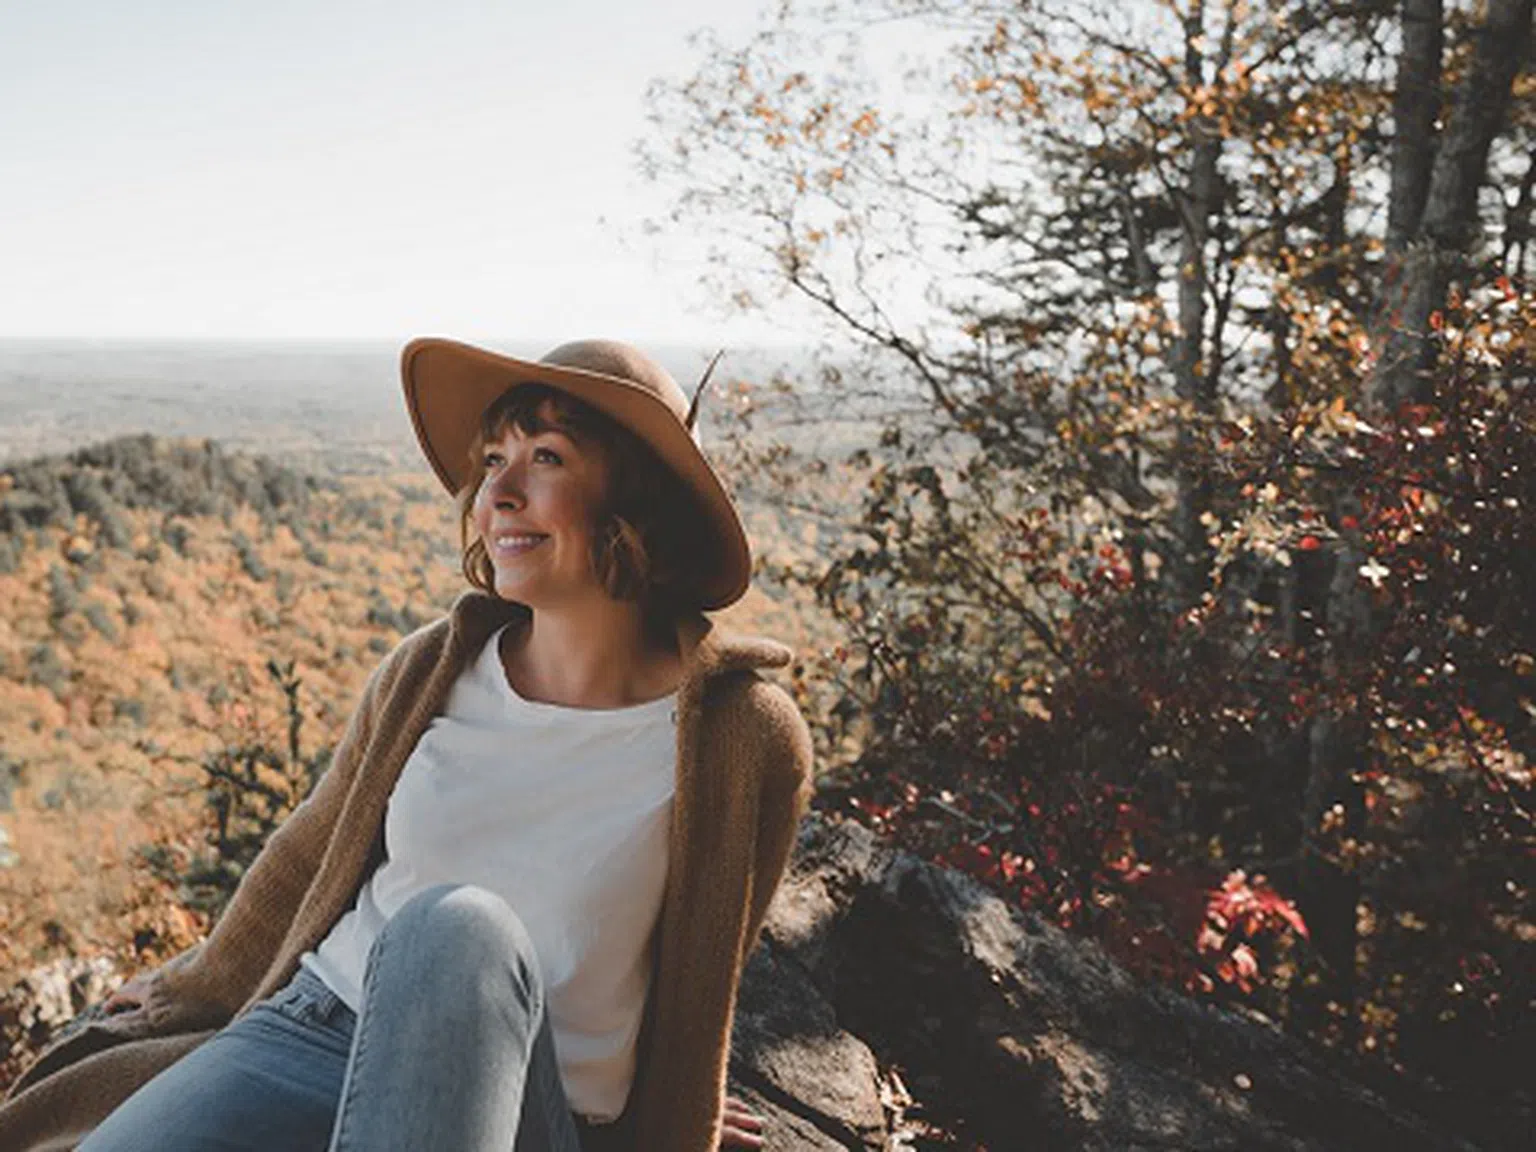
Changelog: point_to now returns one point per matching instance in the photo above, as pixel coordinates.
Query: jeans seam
(349, 1089)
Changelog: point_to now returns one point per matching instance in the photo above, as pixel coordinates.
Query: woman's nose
(507, 487)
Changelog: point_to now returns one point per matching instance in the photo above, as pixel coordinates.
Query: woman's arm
(787, 784)
(786, 787)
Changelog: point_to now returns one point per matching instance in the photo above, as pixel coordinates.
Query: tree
(1152, 272)
(250, 786)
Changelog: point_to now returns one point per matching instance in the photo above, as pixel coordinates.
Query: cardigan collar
(707, 649)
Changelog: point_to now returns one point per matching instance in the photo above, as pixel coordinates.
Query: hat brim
(448, 385)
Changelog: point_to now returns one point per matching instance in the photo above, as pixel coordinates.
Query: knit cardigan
(743, 780)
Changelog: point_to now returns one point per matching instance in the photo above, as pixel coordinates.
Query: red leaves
(1251, 908)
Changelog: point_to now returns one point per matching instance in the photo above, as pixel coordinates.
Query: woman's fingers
(741, 1127)
(128, 997)
(737, 1112)
(740, 1138)
(115, 1004)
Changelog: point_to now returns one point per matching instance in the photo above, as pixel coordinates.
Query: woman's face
(536, 511)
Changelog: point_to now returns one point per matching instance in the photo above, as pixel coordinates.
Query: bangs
(536, 408)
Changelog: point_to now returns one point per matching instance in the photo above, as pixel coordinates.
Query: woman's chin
(516, 591)
(519, 588)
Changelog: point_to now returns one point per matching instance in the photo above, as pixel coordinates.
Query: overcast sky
(339, 168)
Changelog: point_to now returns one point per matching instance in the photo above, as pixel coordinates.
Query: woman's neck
(599, 657)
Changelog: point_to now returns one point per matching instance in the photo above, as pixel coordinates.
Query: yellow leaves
(1509, 764)
(771, 116)
(1094, 98)
(1046, 62)
(1336, 419)
(1035, 707)
(1028, 93)
(866, 124)
(999, 38)
(1201, 101)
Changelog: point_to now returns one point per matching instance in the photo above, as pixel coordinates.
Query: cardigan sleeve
(787, 786)
(205, 986)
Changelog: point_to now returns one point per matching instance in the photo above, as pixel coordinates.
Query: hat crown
(624, 362)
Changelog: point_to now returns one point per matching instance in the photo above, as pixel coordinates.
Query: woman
(515, 910)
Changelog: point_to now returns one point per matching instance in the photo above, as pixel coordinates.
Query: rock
(816, 1084)
(1012, 1033)
(50, 1000)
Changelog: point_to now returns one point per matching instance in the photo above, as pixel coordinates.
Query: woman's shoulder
(758, 712)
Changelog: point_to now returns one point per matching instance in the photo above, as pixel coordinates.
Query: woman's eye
(547, 454)
(490, 460)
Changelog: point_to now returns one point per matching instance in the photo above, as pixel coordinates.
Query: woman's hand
(742, 1127)
(129, 996)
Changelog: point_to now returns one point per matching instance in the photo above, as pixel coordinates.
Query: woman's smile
(516, 545)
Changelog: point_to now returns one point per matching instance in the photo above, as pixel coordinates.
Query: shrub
(10, 775)
(63, 595)
(255, 567)
(1039, 711)
(99, 618)
(44, 668)
(176, 534)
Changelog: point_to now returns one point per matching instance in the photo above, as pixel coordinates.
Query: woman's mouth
(516, 545)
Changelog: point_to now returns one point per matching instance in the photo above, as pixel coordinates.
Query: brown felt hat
(448, 385)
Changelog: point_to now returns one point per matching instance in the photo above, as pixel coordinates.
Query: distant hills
(327, 407)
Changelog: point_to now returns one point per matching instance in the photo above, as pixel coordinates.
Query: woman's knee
(463, 927)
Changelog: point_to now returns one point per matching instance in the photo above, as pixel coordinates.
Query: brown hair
(649, 524)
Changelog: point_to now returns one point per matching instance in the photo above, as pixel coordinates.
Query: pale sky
(341, 169)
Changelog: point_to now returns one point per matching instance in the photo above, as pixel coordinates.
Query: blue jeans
(452, 1051)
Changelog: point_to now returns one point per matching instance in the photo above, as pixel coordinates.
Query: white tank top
(562, 812)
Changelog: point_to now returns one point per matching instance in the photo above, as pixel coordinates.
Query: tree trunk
(1431, 226)
(1415, 105)
(1423, 256)
(1194, 384)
